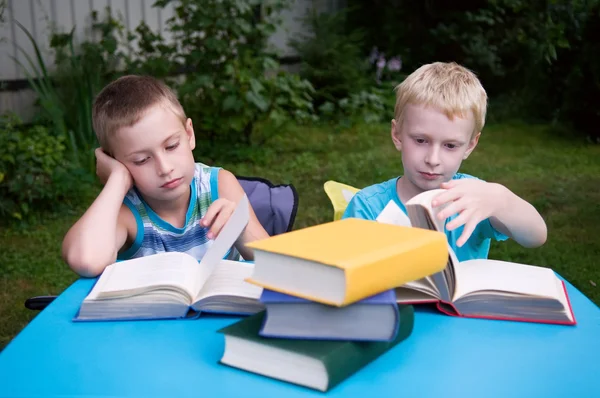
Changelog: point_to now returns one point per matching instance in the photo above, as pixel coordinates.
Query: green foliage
(505, 38)
(366, 106)
(542, 53)
(34, 171)
(497, 38)
(577, 74)
(65, 96)
(331, 58)
(80, 73)
(232, 81)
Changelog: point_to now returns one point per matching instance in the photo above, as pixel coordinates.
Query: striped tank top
(154, 235)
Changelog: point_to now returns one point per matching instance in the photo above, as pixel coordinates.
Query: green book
(317, 364)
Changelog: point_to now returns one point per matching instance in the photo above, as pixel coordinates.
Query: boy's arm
(230, 193)
(519, 220)
(478, 200)
(94, 240)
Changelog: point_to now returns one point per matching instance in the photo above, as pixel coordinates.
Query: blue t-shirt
(370, 201)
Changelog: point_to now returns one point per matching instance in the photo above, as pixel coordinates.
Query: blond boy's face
(433, 146)
(157, 151)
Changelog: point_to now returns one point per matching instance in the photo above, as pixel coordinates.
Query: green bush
(344, 81)
(232, 80)
(372, 105)
(541, 57)
(65, 95)
(331, 58)
(35, 174)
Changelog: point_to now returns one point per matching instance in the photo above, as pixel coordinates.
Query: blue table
(445, 357)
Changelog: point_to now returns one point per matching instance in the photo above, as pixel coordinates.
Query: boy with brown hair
(155, 197)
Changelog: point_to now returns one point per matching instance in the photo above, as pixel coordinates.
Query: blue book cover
(270, 296)
(374, 318)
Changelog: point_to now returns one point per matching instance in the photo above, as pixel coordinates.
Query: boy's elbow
(543, 236)
(82, 264)
(538, 238)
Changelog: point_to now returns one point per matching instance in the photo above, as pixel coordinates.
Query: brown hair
(124, 101)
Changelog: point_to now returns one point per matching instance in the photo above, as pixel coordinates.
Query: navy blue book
(375, 318)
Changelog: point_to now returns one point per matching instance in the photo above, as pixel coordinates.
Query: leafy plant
(231, 80)
(65, 95)
(541, 56)
(34, 171)
(331, 57)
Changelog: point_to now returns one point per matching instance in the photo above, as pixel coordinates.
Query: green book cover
(340, 359)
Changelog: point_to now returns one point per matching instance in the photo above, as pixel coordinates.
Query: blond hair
(449, 87)
(124, 101)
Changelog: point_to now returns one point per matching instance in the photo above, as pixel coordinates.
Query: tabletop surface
(444, 357)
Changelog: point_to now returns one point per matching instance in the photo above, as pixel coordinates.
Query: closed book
(372, 319)
(320, 365)
(344, 261)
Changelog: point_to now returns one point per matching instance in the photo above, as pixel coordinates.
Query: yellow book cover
(373, 256)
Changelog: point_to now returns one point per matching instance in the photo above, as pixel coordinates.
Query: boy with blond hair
(155, 197)
(439, 114)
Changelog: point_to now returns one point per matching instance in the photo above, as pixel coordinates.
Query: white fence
(40, 16)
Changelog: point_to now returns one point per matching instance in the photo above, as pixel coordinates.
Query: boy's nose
(433, 157)
(163, 166)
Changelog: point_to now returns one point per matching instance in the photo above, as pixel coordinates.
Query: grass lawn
(560, 175)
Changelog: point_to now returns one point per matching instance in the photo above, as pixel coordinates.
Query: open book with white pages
(176, 285)
(481, 288)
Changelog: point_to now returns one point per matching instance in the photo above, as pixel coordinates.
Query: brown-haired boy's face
(157, 151)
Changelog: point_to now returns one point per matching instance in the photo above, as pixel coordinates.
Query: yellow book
(344, 261)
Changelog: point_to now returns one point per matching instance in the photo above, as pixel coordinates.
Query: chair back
(275, 205)
(340, 195)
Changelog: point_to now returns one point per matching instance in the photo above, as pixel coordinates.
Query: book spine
(353, 356)
(447, 308)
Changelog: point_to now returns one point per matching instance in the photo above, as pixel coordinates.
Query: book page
(422, 215)
(450, 272)
(223, 242)
(504, 277)
(423, 289)
(229, 279)
(127, 278)
(393, 214)
(420, 290)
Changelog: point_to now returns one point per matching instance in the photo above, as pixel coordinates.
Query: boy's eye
(451, 146)
(140, 161)
(172, 146)
(420, 140)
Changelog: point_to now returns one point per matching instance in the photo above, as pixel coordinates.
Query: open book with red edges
(482, 288)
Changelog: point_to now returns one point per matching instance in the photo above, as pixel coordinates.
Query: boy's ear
(189, 131)
(472, 144)
(396, 135)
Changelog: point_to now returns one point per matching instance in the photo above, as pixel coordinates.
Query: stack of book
(330, 304)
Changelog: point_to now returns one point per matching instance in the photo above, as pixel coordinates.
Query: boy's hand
(107, 166)
(474, 200)
(217, 215)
